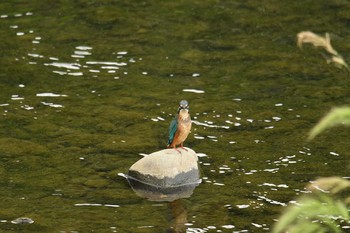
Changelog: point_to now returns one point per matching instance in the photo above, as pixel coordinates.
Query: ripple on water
(274, 185)
(53, 105)
(218, 184)
(16, 97)
(210, 124)
(272, 170)
(242, 206)
(75, 73)
(36, 40)
(97, 205)
(106, 63)
(122, 52)
(196, 136)
(83, 47)
(147, 226)
(195, 230)
(194, 91)
(201, 155)
(270, 201)
(35, 55)
(80, 52)
(27, 107)
(333, 153)
(69, 66)
(49, 94)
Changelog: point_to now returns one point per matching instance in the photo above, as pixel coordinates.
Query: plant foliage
(323, 210)
(336, 116)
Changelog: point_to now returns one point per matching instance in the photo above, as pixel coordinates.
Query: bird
(180, 126)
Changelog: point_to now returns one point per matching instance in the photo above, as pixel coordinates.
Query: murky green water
(88, 86)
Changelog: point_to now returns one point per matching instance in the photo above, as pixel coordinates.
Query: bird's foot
(174, 147)
(184, 148)
(177, 150)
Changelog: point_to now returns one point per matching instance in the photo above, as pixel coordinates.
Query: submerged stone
(165, 175)
(22, 220)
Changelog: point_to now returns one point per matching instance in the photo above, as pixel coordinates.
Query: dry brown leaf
(329, 184)
(316, 40)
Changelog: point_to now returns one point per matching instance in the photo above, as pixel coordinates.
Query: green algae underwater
(88, 87)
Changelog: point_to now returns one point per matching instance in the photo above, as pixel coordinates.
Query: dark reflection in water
(156, 193)
(174, 196)
(178, 217)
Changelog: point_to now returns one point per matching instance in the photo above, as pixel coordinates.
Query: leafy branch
(336, 116)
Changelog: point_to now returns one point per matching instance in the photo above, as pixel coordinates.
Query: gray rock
(22, 220)
(165, 175)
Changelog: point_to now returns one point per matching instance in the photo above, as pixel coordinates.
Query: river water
(88, 87)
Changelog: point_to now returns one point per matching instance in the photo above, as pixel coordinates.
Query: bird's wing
(172, 130)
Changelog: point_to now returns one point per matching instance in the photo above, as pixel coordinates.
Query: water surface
(87, 87)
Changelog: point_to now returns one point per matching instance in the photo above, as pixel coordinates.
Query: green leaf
(312, 214)
(336, 116)
(306, 227)
(287, 219)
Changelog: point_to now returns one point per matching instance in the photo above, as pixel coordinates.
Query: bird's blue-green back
(172, 130)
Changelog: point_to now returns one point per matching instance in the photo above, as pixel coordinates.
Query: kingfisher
(180, 126)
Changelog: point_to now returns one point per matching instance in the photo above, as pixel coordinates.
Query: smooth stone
(167, 168)
(22, 220)
(165, 175)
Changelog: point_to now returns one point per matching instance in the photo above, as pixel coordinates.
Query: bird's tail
(168, 145)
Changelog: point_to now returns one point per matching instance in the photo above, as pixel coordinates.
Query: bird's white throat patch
(184, 115)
